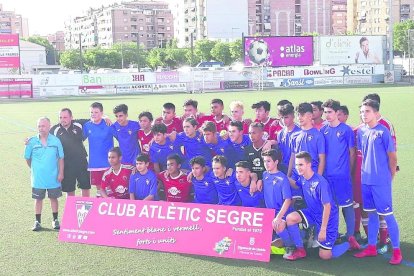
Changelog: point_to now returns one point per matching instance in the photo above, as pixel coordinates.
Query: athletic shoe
(277, 250)
(370, 251)
(37, 226)
(289, 250)
(396, 257)
(299, 253)
(56, 224)
(382, 249)
(353, 244)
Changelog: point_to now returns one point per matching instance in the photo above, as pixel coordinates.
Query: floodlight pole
(391, 37)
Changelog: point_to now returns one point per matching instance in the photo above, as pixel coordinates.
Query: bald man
(44, 156)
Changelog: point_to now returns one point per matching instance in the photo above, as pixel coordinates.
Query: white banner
(358, 80)
(169, 87)
(351, 49)
(329, 81)
(97, 89)
(58, 91)
(133, 88)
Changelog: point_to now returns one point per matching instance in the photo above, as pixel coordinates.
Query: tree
(156, 58)
(51, 55)
(175, 57)
(71, 59)
(236, 50)
(221, 52)
(131, 55)
(401, 35)
(102, 58)
(203, 49)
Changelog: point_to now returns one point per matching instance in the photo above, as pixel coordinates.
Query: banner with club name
(210, 230)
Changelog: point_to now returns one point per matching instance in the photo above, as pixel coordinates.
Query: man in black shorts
(70, 134)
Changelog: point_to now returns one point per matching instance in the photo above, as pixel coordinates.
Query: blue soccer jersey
(223, 147)
(276, 190)
(311, 141)
(193, 147)
(127, 137)
(159, 153)
(375, 144)
(239, 148)
(226, 190)
(338, 141)
(316, 192)
(143, 185)
(283, 139)
(204, 190)
(247, 199)
(100, 141)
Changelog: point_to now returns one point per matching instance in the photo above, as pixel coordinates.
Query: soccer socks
(357, 219)
(383, 232)
(393, 230)
(373, 225)
(39, 218)
(55, 216)
(284, 235)
(365, 225)
(340, 249)
(349, 216)
(295, 236)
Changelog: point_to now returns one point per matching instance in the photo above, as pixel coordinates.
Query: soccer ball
(258, 52)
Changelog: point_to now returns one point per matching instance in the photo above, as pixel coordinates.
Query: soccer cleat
(299, 253)
(396, 257)
(353, 243)
(289, 250)
(370, 251)
(277, 250)
(37, 226)
(383, 249)
(56, 224)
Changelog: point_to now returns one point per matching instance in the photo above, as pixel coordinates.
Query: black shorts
(75, 172)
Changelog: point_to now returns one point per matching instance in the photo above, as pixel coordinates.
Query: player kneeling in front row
(115, 181)
(321, 212)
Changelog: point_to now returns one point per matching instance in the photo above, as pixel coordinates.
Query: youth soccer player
(320, 212)
(237, 139)
(115, 181)
(217, 145)
(379, 163)
(226, 189)
(191, 111)
(343, 114)
(340, 156)
(44, 156)
(277, 195)
(192, 142)
(242, 183)
(161, 148)
(170, 119)
(262, 110)
(203, 184)
(219, 119)
(126, 132)
(174, 185)
(317, 112)
(253, 152)
(237, 112)
(143, 185)
(145, 134)
(277, 125)
(287, 117)
(100, 138)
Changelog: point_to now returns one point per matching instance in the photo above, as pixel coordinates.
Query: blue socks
(393, 230)
(349, 215)
(373, 228)
(284, 235)
(340, 249)
(295, 236)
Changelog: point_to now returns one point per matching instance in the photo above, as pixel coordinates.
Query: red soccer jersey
(204, 118)
(175, 125)
(266, 127)
(275, 128)
(176, 189)
(116, 185)
(390, 127)
(319, 126)
(144, 139)
(221, 124)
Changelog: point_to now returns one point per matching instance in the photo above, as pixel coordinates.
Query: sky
(48, 16)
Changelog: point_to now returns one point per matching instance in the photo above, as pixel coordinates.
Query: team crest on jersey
(206, 183)
(274, 181)
(82, 211)
(227, 182)
(146, 147)
(171, 147)
(129, 132)
(310, 137)
(174, 191)
(313, 186)
(338, 134)
(147, 181)
(74, 131)
(265, 135)
(222, 150)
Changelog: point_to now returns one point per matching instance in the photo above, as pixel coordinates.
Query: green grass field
(25, 252)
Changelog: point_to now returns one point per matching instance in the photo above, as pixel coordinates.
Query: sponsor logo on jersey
(121, 189)
(174, 191)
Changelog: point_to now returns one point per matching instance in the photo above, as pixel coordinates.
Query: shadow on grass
(313, 265)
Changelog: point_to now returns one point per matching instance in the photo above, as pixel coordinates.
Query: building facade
(149, 23)
(12, 23)
(339, 17)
